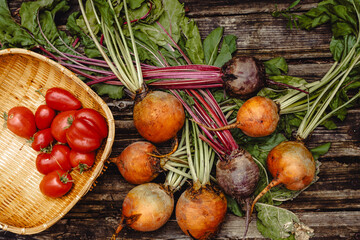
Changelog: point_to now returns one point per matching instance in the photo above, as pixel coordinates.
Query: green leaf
(320, 150)
(233, 206)
(211, 44)
(337, 48)
(228, 47)
(148, 50)
(72, 26)
(274, 222)
(106, 13)
(133, 4)
(342, 29)
(142, 9)
(12, 35)
(114, 92)
(193, 44)
(170, 20)
(45, 25)
(289, 80)
(329, 124)
(90, 14)
(260, 147)
(276, 66)
(29, 11)
(290, 122)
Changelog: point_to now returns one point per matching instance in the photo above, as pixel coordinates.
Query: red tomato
(83, 161)
(44, 116)
(42, 139)
(96, 118)
(61, 99)
(82, 136)
(56, 184)
(57, 159)
(21, 121)
(60, 125)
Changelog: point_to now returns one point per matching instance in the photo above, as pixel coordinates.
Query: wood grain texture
(331, 206)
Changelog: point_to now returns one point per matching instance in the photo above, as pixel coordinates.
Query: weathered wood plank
(196, 8)
(345, 226)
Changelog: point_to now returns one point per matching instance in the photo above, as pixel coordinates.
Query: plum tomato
(61, 99)
(60, 125)
(56, 184)
(82, 136)
(21, 121)
(42, 139)
(57, 159)
(44, 116)
(96, 118)
(82, 161)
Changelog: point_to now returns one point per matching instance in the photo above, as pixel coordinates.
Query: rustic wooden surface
(331, 206)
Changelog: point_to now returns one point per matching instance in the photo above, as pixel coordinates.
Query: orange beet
(258, 117)
(158, 116)
(200, 211)
(291, 164)
(136, 165)
(147, 207)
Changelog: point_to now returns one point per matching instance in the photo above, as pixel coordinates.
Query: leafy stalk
(201, 161)
(315, 115)
(121, 63)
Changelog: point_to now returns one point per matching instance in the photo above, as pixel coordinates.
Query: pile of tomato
(65, 135)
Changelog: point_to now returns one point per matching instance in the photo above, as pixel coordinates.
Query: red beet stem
(195, 116)
(215, 112)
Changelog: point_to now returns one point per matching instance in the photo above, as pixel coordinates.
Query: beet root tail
(118, 229)
(247, 217)
(175, 147)
(273, 183)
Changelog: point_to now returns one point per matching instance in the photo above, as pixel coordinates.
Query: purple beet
(238, 176)
(243, 76)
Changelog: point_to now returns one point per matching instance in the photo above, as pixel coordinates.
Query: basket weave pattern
(24, 209)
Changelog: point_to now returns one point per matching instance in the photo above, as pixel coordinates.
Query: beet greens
(236, 172)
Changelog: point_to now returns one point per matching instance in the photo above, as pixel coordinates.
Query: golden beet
(158, 116)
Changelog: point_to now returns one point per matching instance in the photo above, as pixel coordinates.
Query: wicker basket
(24, 209)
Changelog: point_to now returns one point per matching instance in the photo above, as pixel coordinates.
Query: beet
(243, 76)
(146, 207)
(238, 176)
(158, 116)
(136, 163)
(201, 210)
(291, 164)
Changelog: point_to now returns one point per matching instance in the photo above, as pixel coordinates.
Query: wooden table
(331, 206)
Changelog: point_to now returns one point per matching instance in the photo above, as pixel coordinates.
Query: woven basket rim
(105, 154)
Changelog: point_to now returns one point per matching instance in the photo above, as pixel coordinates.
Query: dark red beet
(243, 76)
(238, 176)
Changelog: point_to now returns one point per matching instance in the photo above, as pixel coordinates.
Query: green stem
(176, 170)
(315, 106)
(137, 78)
(176, 164)
(97, 44)
(327, 116)
(315, 121)
(137, 60)
(199, 154)
(188, 151)
(114, 51)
